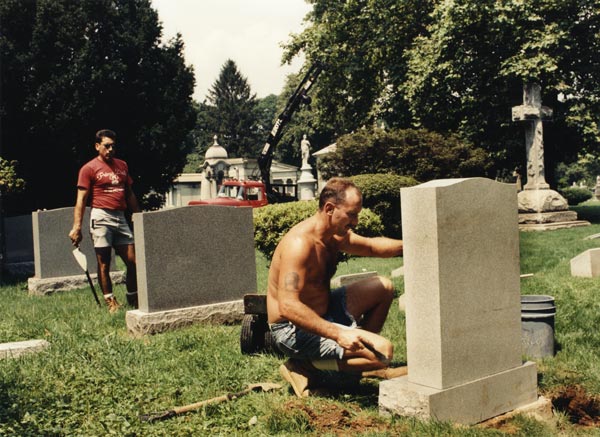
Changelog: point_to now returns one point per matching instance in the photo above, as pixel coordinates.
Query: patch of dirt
(331, 418)
(580, 408)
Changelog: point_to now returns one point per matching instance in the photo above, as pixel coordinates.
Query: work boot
(113, 305)
(387, 373)
(300, 375)
(132, 299)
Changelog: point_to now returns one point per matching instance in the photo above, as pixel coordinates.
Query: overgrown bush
(576, 195)
(272, 222)
(422, 154)
(381, 194)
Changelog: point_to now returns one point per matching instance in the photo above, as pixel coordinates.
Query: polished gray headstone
(194, 255)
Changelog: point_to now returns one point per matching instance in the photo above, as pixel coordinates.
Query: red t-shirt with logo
(107, 183)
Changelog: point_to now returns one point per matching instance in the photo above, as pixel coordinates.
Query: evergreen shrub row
(381, 194)
(576, 195)
(272, 222)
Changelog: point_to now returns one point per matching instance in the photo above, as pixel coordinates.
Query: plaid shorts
(109, 228)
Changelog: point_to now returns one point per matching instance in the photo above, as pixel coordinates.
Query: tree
(419, 153)
(362, 44)
(233, 112)
(72, 68)
(459, 66)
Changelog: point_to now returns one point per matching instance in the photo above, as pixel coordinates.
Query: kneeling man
(318, 328)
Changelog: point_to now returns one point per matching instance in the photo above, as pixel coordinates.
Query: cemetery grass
(96, 380)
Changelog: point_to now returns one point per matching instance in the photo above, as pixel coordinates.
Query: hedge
(272, 222)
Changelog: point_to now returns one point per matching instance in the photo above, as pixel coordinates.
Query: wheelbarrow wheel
(248, 338)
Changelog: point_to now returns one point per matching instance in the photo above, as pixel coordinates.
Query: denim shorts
(109, 228)
(297, 343)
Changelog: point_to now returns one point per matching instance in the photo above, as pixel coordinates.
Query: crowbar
(264, 386)
(82, 261)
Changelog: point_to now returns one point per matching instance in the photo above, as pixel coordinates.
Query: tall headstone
(463, 323)
(540, 208)
(194, 264)
(55, 266)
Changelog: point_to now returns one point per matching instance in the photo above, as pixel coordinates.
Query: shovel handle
(195, 406)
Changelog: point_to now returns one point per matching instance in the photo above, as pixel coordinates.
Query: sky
(247, 31)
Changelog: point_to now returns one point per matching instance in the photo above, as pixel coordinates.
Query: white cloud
(247, 31)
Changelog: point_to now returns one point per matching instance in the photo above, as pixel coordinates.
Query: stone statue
(305, 149)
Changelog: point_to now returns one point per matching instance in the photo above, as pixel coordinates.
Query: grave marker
(194, 263)
(463, 322)
(540, 207)
(55, 267)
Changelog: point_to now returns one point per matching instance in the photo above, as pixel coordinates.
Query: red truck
(237, 193)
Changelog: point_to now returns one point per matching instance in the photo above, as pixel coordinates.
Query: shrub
(576, 195)
(381, 194)
(272, 222)
(422, 154)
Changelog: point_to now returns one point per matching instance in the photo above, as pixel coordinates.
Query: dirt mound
(329, 418)
(581, 408)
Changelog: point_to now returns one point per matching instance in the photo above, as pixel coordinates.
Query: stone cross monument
(532, 111)
(540, 208)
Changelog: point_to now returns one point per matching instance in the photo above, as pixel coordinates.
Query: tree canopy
(72, 68)
(459, 66)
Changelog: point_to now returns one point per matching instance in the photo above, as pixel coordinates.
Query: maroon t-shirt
(107, 183)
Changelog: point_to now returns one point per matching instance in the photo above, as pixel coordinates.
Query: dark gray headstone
(19, 239)
(194, 255)
(52, 248)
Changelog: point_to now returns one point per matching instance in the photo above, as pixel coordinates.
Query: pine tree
(233, 112)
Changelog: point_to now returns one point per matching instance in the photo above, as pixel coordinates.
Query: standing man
(316, 327)
(107, 181)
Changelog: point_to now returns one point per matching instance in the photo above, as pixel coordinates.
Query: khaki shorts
(109, 228)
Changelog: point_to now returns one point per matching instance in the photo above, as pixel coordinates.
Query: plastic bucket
(537, 325)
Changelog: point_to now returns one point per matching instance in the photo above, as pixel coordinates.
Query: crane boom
(299, 97)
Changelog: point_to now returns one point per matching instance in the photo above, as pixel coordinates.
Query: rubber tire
(248, 343)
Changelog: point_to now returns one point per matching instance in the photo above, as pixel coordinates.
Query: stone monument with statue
(540, 208)
(307, 183)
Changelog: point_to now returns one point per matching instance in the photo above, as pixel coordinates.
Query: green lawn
(96, 380)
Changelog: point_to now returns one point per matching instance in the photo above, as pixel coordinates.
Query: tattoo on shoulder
(291, 281)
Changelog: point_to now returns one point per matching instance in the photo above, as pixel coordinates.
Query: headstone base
(42, 286)
(547, 217)
(540, 410)
(552, 226)
(141, 323)
(468, 403)
(18, 348)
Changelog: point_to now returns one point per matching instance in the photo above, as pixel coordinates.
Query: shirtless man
(313, 325)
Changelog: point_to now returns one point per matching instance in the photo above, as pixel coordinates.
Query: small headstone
(18, 348)
(463, 317)
(55, 266)
(194, 263)
(586, 264)
(342, 280)
(597, 188)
